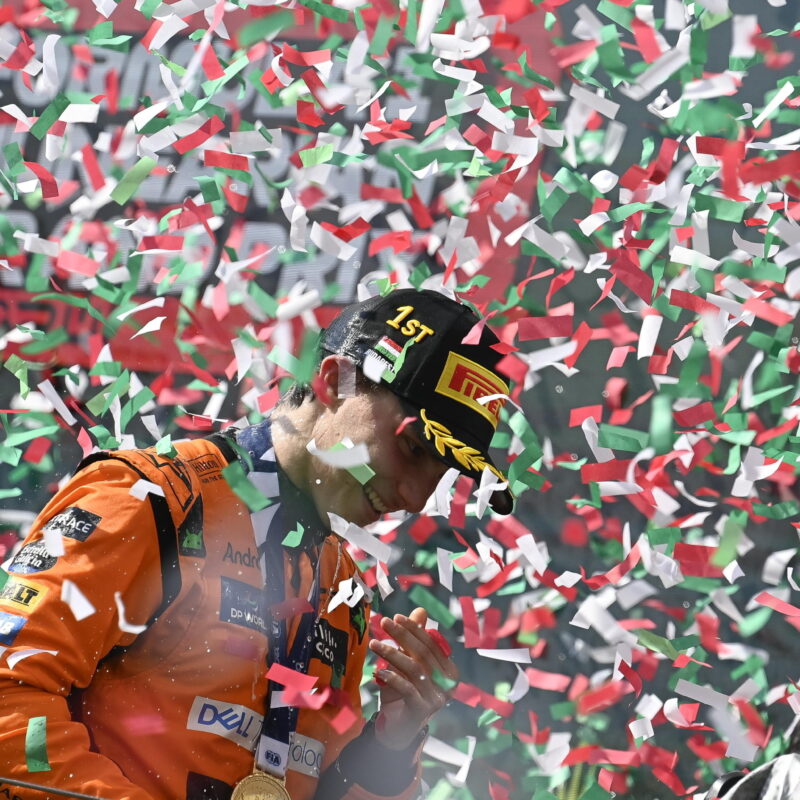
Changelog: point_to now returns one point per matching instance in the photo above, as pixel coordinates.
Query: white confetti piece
(124, 625)
(641, 728)
(142, 488)
(784, 93)
(157, 302)
(46, 388)
(519, 655)
(78, 603)
(352, 455)
(150, 327)
(358, 537)
(18, 655)
(53, 541)
(444, 564)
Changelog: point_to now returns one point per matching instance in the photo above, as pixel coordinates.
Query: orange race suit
(144, 643)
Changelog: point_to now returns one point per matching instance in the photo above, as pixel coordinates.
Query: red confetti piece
(46, 180)
(202, 134)
(544, 327)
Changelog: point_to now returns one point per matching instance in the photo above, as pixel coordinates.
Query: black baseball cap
(412, 341)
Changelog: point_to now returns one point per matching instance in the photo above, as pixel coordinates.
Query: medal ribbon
(270, 526)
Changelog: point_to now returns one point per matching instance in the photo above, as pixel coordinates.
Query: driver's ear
(326, 382)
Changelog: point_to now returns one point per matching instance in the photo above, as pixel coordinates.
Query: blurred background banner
(190, 190)
(114, 77)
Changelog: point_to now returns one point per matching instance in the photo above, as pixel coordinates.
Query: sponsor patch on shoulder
(22, 594)
(74, 523)
(33, 557)
(190, 534)
(10, 626)
(206, 463)
(330, 647)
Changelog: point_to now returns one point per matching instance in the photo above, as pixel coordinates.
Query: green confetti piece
(14, 159)
(324, 10)
(532, 74)
(316, 155)
(242, 486)
(20, 437)
(50, 115)
(731, 534)
(132, 408)
(294, 537)
(164, 447)
(785, 510)
(381, 35)
(362, 473)
(10, 455)
(563, 710)
(488, 717)
(19, 368)
(441, 680)
(754, 621)
(720, 207)
(36, 745)
(127, 187)
(652, 641)
(149, 7)
(412, 22)
(661, 434)
(596, 792)
(265, 28)
(442, 791)
(284, 360)
(616, 13)
(617, 437)
(420, 596)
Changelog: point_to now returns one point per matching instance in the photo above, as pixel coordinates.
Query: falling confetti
(614, 186)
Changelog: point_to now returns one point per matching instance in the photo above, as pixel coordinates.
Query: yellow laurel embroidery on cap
(443, 439)
(413, 327)
(467, 382)
(22, 594)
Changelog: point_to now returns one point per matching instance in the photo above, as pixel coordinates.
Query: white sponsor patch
(306, 754)
(237, 723)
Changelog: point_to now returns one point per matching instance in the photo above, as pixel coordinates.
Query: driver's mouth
(375, 500)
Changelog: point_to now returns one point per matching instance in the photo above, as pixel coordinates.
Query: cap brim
(501, 501)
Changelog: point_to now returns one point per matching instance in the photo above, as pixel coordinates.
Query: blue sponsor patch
(10, 626)
(243, 605)
(33, 557)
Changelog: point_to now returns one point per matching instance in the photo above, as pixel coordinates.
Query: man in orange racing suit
(162, 638)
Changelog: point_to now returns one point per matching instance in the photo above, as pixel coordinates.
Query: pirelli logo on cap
(466, 381)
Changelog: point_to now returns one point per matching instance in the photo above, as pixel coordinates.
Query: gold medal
(260, 786)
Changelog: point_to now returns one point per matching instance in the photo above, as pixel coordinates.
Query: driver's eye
(414, 449)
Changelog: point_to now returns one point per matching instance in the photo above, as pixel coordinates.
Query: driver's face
(406, 471)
